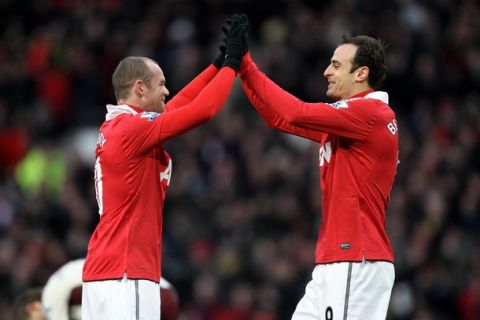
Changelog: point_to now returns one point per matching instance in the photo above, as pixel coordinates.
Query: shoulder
(126, 122)
(357, 105)
(148, 115)
(376, 101)
(141, 117)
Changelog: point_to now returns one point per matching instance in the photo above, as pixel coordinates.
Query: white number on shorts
(329, 313)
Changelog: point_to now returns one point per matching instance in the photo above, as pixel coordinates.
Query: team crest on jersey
(149, 115)
(342, 104)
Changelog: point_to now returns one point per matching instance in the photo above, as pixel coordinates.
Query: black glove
(218, 61)
(242, 19)
(235, 43)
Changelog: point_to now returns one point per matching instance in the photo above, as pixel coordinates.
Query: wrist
(232, 62)
(245, 63)
(218, 61)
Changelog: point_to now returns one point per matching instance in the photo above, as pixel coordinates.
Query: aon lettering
(325, 153)
(99, 185)
(167, 173)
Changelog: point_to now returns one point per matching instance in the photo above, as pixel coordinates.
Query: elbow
(212, 111)
(294, 113)
(291, 118)
(200, 116)
(271, 125)
(208, 117)
(204, 118)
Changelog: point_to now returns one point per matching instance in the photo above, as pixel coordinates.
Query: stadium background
(243, 207)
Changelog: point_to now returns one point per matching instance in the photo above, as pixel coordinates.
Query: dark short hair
(370, 53)
(129, 70)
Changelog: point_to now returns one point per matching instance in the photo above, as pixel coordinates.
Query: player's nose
(328, 72)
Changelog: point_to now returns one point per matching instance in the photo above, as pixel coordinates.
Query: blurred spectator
(28, 305)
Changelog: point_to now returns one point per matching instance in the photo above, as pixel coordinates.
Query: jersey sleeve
(147, 130)
(191, 90)
(353, 119)
(274, 120)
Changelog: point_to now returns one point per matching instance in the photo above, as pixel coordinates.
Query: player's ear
(362, 73)
(139, 88)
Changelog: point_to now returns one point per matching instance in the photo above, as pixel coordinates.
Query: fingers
(236, 28)
(225, 29)
(238, 32)
(223, 48)
(234, 22)
(243, 19)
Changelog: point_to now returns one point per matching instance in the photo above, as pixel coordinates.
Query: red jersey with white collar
(132, 172)
(358, 158)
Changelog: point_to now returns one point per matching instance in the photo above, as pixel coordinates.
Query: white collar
(378, 95)
(114, 110)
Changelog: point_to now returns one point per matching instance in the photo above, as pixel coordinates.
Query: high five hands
(234, 43)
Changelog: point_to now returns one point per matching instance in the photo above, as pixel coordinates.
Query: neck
(131, 102)
(362, 93)
(359, 90)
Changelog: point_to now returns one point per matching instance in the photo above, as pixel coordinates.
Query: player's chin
(332, 94)
(161, 107)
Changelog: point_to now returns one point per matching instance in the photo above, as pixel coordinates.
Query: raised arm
(192, 89)
(206, 105)
(150, 130)
(270, 116)
(353, 122)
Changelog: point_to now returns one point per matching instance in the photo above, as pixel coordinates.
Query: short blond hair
(129, 70)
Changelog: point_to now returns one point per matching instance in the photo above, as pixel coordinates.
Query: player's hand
(218, 61)
(242, 19)
(236, 41)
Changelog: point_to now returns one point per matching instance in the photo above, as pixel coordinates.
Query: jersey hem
(330, 261)
(132, 276)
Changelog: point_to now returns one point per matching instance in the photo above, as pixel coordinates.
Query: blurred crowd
(243, 207)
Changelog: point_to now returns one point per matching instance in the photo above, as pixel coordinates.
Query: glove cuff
(232, 62)
(218, 61)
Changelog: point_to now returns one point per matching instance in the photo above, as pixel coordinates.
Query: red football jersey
(132, 172)
(358, 160)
